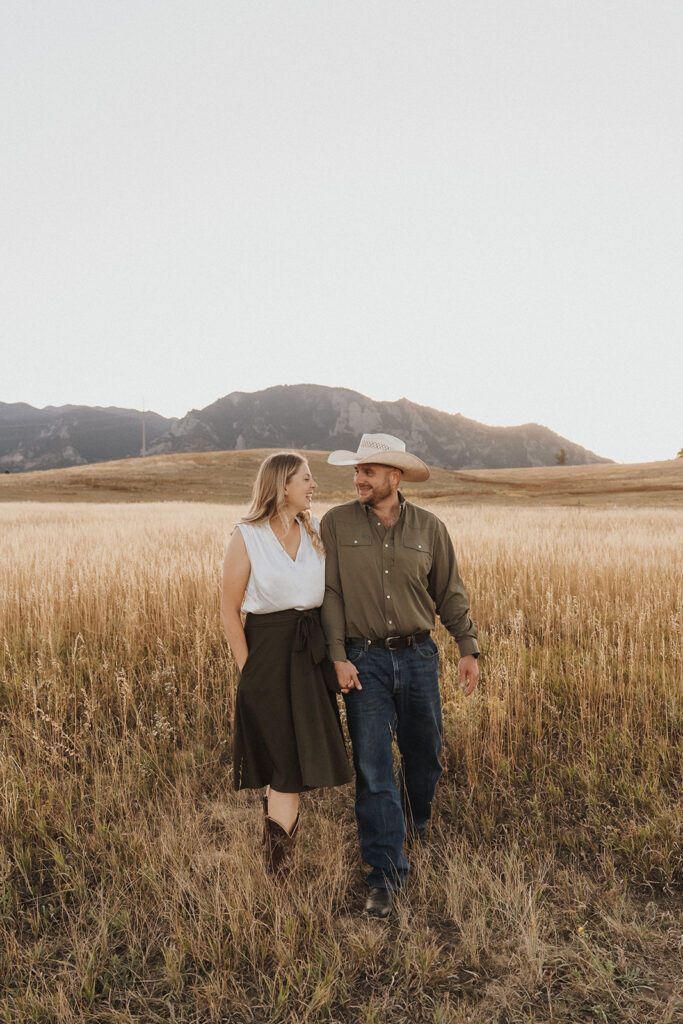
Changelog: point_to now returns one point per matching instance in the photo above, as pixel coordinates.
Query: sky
(474, 205)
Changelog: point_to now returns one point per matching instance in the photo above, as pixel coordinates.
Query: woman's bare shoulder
(236, 547)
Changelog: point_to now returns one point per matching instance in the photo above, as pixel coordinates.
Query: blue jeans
(400, 699)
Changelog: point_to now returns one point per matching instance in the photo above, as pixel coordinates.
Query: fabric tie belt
(309, 635)
(389, 643)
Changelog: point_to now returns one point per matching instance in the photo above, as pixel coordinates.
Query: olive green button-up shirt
(381, 583)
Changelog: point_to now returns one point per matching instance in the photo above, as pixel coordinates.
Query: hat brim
(413, 469)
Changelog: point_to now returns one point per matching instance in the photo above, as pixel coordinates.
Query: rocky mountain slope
(309, 416)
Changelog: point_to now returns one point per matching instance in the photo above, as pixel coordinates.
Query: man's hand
(468, 669)
(347, 676)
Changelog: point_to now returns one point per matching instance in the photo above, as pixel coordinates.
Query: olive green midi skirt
(287, 729)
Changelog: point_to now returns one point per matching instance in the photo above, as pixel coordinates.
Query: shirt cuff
(468, 645)
(337, 652)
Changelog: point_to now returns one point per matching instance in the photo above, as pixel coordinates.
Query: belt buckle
(388, 642)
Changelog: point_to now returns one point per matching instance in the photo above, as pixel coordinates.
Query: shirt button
(419, 545)
(391, 622)
(355, 542)
(388, 596)
(386, 572)
(386, 545)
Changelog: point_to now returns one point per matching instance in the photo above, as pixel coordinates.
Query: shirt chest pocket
(354, 538)
(418, 545)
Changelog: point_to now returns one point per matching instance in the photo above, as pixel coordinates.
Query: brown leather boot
(279, 844)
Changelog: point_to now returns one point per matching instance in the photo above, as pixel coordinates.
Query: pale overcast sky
(475, 205)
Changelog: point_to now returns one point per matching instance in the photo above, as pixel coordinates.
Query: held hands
(347, 676)
(468, 670)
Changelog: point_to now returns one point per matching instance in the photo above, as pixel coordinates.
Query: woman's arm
(236, 569)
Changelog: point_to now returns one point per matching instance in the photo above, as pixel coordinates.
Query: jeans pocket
(427, 649)
(355, 654)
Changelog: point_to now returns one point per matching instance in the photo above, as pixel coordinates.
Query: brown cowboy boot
(279, 844)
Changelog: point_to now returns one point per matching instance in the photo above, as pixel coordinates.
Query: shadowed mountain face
(71, 435)
(301, 416)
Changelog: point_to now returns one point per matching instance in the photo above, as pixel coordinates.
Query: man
(390, 566)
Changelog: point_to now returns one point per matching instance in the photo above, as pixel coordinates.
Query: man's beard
(376, 496)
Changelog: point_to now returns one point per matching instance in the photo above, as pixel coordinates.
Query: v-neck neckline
(283, 548)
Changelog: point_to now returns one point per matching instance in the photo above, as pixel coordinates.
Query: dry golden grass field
(131, 882)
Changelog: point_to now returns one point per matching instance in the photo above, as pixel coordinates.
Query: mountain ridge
(301, 416)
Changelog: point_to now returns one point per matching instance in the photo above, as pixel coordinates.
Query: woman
(287, 733)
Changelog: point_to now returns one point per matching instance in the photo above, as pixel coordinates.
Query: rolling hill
(226, 477)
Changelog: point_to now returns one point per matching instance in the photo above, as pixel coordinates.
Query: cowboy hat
(385, 450)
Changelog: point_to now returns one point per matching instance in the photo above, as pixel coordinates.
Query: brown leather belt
(388, 643)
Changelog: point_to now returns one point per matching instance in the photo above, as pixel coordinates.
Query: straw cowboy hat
(385, 450)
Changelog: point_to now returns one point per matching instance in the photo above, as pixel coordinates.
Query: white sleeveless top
(276, 581)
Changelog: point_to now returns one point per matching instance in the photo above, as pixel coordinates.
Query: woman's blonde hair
(268, 496)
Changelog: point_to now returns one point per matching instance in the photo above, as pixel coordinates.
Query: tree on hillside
(680, 454)
(561, 457)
